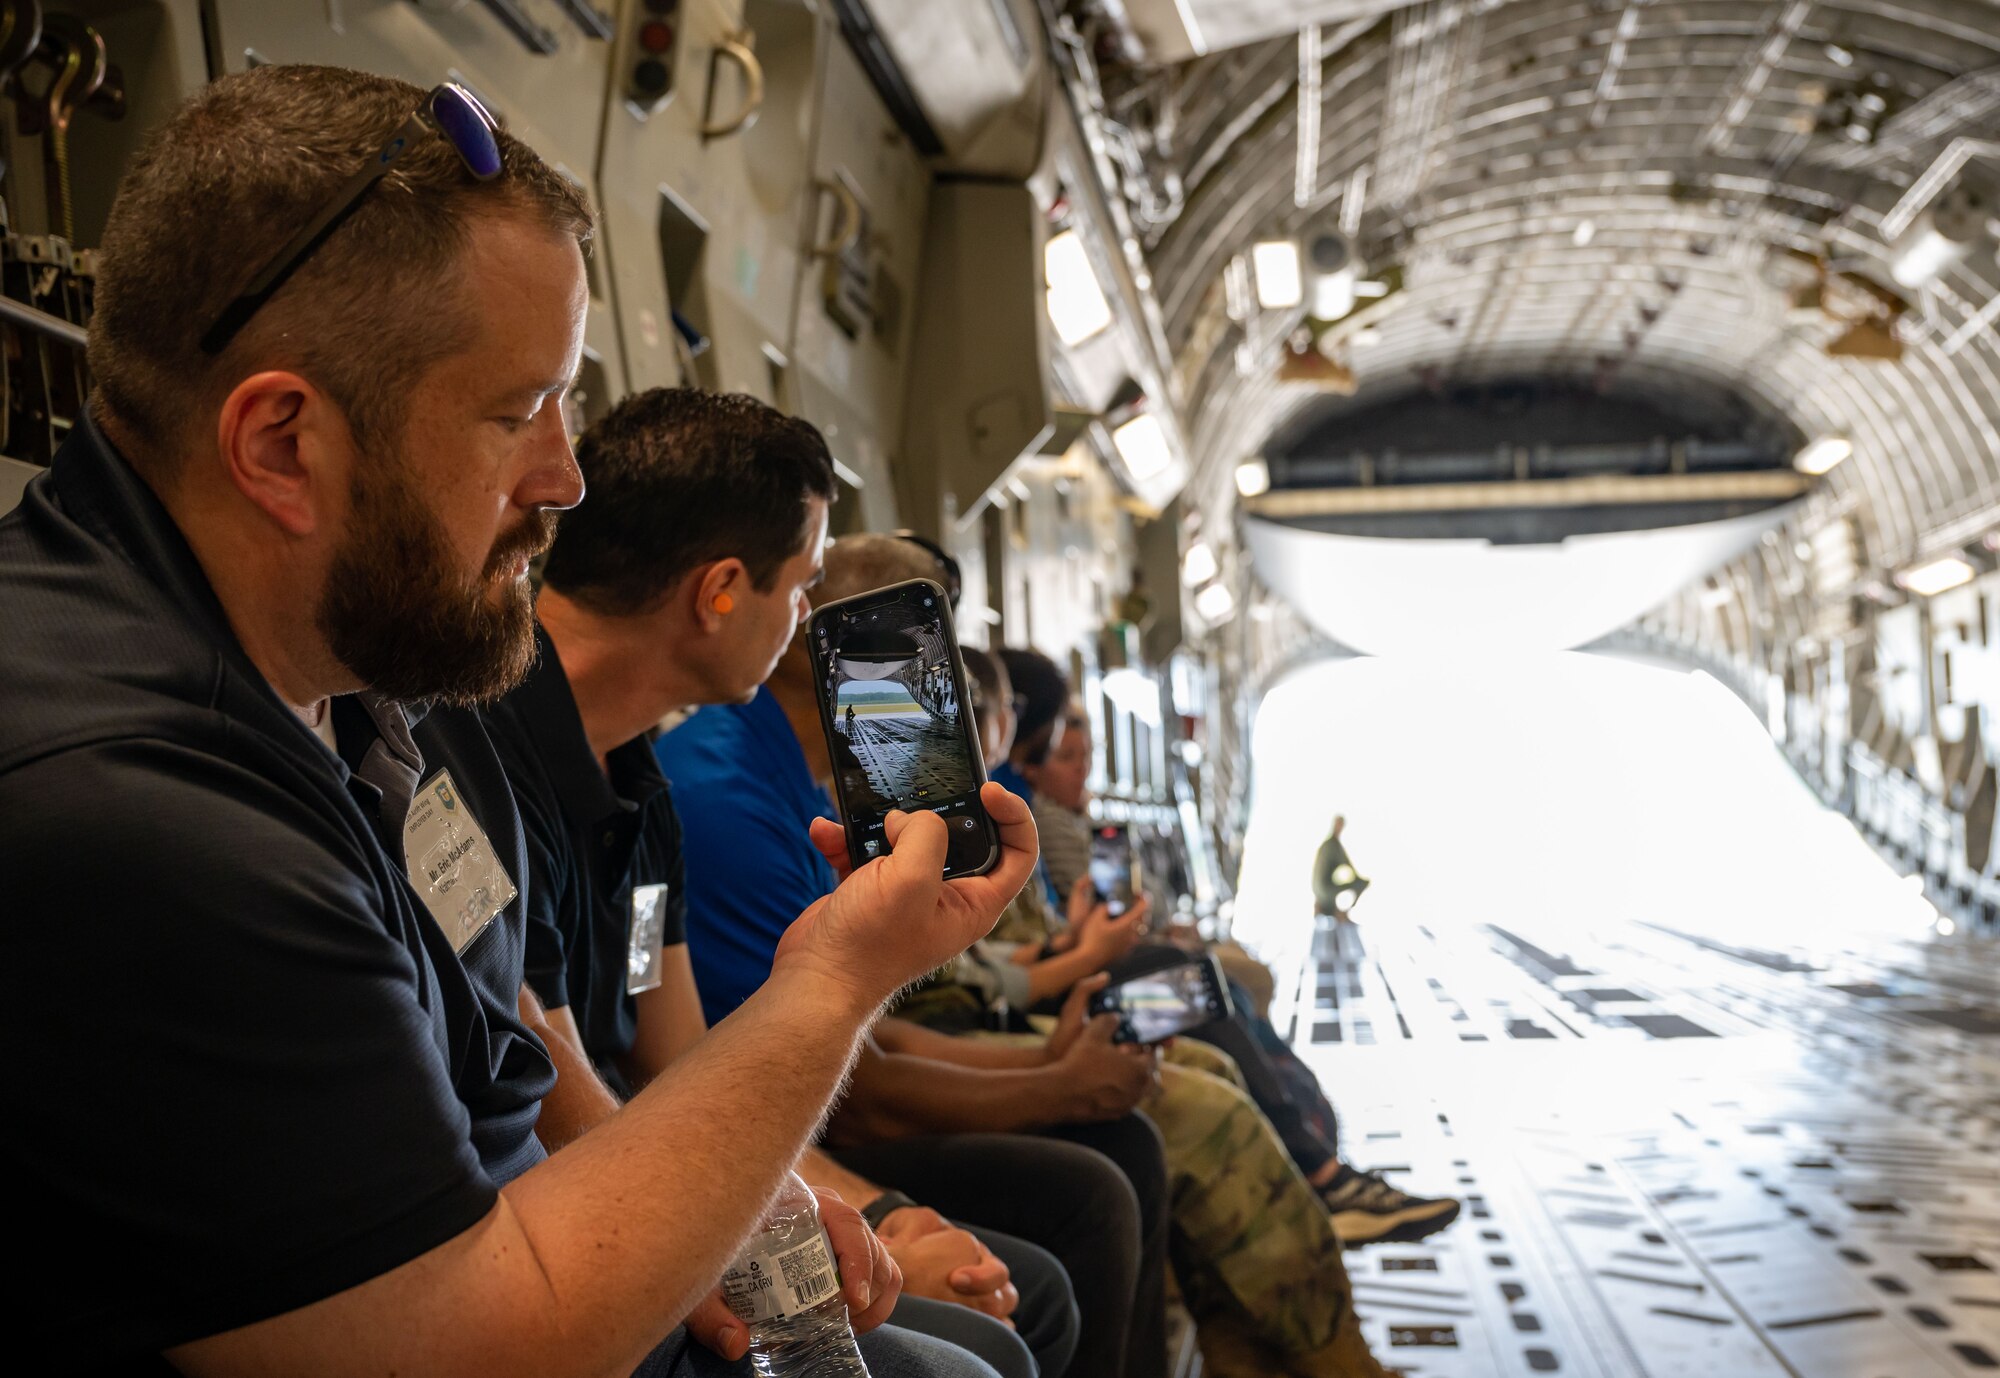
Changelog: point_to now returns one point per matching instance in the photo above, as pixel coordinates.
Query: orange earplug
(724, 603)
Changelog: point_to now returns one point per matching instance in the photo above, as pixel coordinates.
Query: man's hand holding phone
(895, 919)
(1107, 939)
(882, 661)
(1082, 900)
(1098, 1078)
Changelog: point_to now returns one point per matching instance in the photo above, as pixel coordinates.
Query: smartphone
(1111, 866)
(1156, 1006)
(892, 703)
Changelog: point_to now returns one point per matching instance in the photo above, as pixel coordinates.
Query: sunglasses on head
(448, 111)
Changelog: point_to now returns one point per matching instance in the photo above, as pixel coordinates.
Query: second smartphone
(1159, 1004)
(892, 703)
(1111, 866)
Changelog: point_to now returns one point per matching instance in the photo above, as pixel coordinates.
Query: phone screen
(1111, 867)
(1162, 1003)
(892, 702)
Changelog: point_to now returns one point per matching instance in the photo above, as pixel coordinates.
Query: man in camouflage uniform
(1049, 954)
(1254, 1249)
(1253, 1246)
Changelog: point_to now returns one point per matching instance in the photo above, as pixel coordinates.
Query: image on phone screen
(1111, 867)
(1163, 1003)
(892, 695)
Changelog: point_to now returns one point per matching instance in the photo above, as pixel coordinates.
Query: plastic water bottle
(785, 1288)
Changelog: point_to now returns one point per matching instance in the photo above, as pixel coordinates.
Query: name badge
(642, 946)
(451, 863)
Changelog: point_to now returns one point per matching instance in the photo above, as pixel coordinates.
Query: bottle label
(767, 1287)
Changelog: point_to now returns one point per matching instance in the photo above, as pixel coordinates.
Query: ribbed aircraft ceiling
(1615, 191)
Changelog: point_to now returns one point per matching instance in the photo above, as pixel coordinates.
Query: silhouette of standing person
(850, 722)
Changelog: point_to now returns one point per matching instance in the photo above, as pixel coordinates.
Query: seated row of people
(1051, 770)
(391, 1011)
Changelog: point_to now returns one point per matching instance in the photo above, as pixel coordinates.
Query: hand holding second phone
(1107, 939)
(1100, 1079)
(1084, 902)
(895, 918)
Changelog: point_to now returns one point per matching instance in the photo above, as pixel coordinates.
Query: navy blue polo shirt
(747, 798)
(594, 833)
(506, 1099)
(253, 1052)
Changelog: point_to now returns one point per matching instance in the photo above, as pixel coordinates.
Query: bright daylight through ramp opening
(1676, 1032)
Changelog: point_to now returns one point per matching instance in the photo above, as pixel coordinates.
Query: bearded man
(270, 1125)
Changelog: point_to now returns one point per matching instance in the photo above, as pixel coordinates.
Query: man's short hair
(218, 190)
(678, 478)
(988, 676)
(1041, 697)
(871, 560)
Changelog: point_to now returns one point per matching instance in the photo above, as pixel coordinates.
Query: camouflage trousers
(1254, 1251)
(1256, 1256)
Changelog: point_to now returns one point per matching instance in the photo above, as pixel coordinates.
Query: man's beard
(397, 613)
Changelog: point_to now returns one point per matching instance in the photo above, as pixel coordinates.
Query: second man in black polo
(681, 583)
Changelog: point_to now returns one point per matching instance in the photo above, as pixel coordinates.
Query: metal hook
(81, 66)
(737, 49)
(20, 34)
(847, 229)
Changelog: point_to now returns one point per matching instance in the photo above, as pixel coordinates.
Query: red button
(656, 37)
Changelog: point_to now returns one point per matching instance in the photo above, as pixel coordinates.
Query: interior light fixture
(1941, 235)
(1215, 603)
(1279, 283)
(1926, 254)
(1330, 268)
(1135, 692)
(1823, 454)
(1077, 306)
(1586, 230)
(1142, 444)
(1198, 566)
(1333, 296)
(1253, 478)
(1935, 577)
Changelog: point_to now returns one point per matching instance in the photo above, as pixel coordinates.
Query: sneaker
(1367, 1210)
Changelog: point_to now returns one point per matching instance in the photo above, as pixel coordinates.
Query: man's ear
(276, 437)
(719, 592)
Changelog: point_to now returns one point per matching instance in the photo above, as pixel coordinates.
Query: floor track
(1680, 1158)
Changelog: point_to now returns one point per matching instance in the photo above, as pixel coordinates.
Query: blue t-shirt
(1005, 774)
(746, 799)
